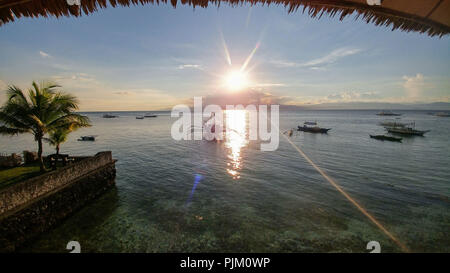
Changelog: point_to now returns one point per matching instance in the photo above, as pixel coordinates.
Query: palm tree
(57, 137)
(44, 110)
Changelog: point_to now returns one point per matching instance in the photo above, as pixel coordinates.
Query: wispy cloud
(270, 85)
(44, 55)
(281, 63)
(52, 62)
(320, 63)
(332, 57)
(190, 66)
(338, 97)
(100, 95)
(350, 96)
(123, 93)
(79, 77)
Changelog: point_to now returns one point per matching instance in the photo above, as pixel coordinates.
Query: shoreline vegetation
(10, 176)
(46, 110)
(14, 175)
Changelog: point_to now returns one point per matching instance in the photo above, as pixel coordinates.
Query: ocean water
(200, 196)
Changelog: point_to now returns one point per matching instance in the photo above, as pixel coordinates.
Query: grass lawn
(10, 176)
(13, 175)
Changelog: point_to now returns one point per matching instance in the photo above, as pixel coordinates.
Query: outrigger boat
(388, 138)
(109, 116)
(406, 130)
(87, 138)
(140, 117)
(312, 127)
(150, 116)
(391, 123)
(442, 114)
(388, 113)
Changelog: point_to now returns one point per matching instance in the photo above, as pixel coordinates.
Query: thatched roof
(425, 16)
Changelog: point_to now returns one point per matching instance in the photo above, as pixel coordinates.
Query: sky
(153, 57)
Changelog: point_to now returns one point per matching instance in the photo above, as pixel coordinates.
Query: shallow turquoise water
(253, 201)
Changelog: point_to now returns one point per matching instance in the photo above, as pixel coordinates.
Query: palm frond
(58, 136)
(72, 121)
(15, 93)
(36, 88)
(37, 121)
(60, 104)
(16, 115)
(49, 141)
(32, 97)
(12, 120)
(10, 131)
(48, 87)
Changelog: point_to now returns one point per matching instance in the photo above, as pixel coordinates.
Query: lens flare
(348, 197)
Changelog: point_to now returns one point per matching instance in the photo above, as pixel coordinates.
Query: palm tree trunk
(57, 149)
(41, 160)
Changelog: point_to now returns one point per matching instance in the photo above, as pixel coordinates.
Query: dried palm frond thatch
(431, 16)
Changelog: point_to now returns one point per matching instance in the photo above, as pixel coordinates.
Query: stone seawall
(33, 206)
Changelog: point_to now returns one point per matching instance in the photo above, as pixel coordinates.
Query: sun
(236, 80)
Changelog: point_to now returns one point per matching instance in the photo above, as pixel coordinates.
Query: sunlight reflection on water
(236, 139)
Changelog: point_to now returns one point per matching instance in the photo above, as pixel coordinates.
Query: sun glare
(236, 80)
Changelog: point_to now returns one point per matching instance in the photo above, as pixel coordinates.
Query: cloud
(44, 55)
(123, 93)
(79, 78)
(350, 96)
(190, 66)
(338, 97)
(255, 96)
(332, 57)
(53, 63)
(270, 85)
(320, 63)
(414, 85)
(97, 95)
(281, 63)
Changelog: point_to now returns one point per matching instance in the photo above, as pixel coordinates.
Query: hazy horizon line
(327, 106)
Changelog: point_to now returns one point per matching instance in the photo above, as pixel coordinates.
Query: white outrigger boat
(407, 129)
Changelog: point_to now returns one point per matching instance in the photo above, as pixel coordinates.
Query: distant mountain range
(435, 106)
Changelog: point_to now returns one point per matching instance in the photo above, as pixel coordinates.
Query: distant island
(435, 106)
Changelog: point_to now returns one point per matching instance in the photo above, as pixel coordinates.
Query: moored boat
(139, 117)
(384, 137)
(442, 114)
(87, 138)
(109, 116)
(312, 127)
(406, 130)
(388, 113)
(150, 116)
(391, 123)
